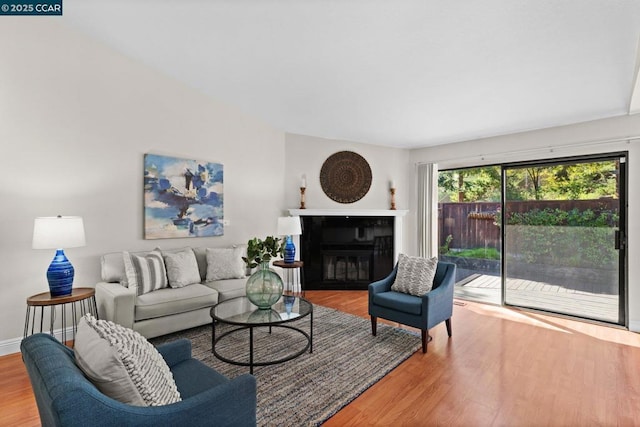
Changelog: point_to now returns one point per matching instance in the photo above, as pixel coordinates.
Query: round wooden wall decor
(345, 177)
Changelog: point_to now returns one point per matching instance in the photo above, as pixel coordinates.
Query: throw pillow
(122, 364)
(182, 268)
(145, 273)
(225, 263)
(415, 275)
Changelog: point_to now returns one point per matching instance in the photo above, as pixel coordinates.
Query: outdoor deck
(544, 296)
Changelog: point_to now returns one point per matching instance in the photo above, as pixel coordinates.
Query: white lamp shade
(289, 226)
(58, 232)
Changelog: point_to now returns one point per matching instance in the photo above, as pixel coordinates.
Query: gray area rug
(346, 360)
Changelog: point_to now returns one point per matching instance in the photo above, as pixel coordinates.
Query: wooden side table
(292, 271)
(85, 298)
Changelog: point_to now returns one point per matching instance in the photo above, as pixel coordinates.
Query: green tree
(527, 183)
(582, 181)
(470, 185)
(577, 181)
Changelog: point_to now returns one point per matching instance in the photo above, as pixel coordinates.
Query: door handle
(619, 240)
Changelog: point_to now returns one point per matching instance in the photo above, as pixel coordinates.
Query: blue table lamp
(59, 232)
(289, 226)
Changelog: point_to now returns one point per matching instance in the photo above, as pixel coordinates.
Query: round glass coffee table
(242, 313)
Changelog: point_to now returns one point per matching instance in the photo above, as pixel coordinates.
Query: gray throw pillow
(225, 263)
(415, 275)
(182, 268)
(145, 273)
(122, 364)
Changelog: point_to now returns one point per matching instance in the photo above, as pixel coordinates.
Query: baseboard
(12, 345)
(634, 325)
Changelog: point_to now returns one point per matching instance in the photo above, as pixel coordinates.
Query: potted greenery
(259, 251)
(264, 287)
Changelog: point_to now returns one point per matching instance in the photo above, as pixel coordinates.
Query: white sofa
(161, 311)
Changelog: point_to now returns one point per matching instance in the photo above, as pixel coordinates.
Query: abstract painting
(182, 198)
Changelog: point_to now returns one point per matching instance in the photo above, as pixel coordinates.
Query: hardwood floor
(17, 406)
(502, 367)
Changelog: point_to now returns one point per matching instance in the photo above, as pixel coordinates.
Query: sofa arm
(438, 303)
(383, 285)
(231, 404)
(116, 303)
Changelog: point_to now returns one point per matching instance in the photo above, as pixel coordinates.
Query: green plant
(445, 249)
(481, 253)
(259, 251)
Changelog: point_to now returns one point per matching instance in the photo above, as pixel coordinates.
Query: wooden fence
(473, 225)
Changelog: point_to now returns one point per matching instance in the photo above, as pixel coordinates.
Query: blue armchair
(65, 397)
(422, 312)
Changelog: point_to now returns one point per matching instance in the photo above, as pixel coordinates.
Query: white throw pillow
(122, 364)
(225, 263)
(415, 275)
(182, 268)
(145, 273)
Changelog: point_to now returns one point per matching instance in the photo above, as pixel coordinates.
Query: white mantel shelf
(347, 212)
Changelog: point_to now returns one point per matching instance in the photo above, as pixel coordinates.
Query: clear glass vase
(264, 287)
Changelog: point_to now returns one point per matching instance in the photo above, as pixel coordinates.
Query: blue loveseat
(65, 397)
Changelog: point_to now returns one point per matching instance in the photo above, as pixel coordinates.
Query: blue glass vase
(60, 275)
(264, 287)
(289, 250)
(288, 303)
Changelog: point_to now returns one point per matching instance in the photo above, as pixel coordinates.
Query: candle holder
(393, 198)
(302, 190)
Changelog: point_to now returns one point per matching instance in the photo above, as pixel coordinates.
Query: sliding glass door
(564, 237)
(547, 235)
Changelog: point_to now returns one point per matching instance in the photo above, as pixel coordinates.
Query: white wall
(75, 121)
(306, 154)
(552, 143)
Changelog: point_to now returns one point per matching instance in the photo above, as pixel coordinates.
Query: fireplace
(346, 252)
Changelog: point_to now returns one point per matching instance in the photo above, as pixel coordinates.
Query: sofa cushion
(201, 258)
(169, 301)
(112, 267)
(415, 275)
(182, 268)
(145, 273)
(399, 301)
(229, 288)
(122, 364)
(225, 263)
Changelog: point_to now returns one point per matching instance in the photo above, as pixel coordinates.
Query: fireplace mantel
(397, 228)
(347, 212)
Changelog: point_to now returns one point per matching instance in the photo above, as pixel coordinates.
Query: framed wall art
(182, 198)
(345, 177)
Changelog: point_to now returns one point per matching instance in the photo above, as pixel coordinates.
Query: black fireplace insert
(346, 252)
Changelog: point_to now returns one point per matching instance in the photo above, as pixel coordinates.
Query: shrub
(564, 238)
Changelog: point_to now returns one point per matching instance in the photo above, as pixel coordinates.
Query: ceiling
(395, 73)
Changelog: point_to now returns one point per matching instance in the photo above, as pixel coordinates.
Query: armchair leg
(374, 325)
(448, 323)
(425, 339)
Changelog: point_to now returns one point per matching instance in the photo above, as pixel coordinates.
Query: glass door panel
(563, 224)
(469, 234)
